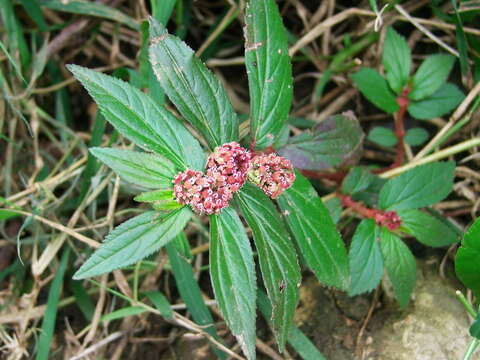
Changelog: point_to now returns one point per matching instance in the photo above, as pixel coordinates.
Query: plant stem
(357, 206)
(471, 349)
(389, 219)
(439, 155)
(466, 304)
(403, 102)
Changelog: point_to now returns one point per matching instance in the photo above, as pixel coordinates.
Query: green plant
(392, 213)
(425, 95)
(467, 267)
(174, 161)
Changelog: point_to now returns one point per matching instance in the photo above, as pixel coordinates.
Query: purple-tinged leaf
(336, 141)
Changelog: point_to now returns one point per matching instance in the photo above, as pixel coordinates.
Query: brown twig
(365, 323)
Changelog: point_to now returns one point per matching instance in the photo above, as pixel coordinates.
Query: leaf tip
(79, 275)
(95, 151)
(157, 31)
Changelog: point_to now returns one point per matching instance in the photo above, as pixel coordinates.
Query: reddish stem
(390, 219)
(357, 206)
(336, 176)
(403, 102)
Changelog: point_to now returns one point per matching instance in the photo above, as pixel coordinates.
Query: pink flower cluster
(272, 173)
(227, 169)
(202, 193)
(229, 164)
(390, 219)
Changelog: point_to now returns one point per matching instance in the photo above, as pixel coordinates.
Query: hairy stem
(389, 219)
(358, 207)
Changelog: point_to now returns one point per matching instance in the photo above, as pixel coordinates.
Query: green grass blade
(161, 303)
(33, 10)
(123, 313)
(190, 291)
(82, 299)
(16, 39)
(12, 62)
(91, 9)
(48, 323)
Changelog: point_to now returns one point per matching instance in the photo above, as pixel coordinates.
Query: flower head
(272, 173)
(229, 164)
(390, 219)
(227, 169)
(205, 194)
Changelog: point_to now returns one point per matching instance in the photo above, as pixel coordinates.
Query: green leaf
(416, 136)
(427, 229)
(334, 207)
(182, 246)
(82, 299)
(369, 196)
(195, 91)
(50, 316)
(6, 214)
(366, 262)
(156, 195)
(123, 313)
(296, 338)
(397, 60)
(151, 171)
(335, 141)
(269, 70)
(442, 102)
(232, 272)
(315, 233)
(475, 328)
(139, 118)
(303, 346)
(162, 10)
(134, 240)
(401, 266)
(419, 187)
(375, 88)
(92, 9)
(467, 260)
(276, 254)
(431, 75)
(147, 77)
(382, 136)
(161, 303)
(359, 178)
(162, 200)
(188, 288)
